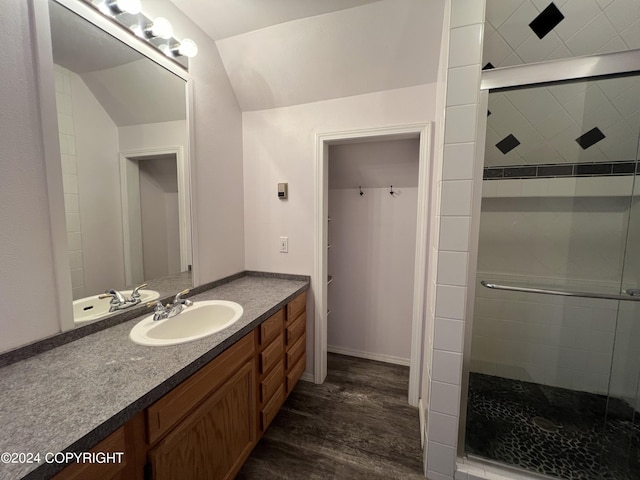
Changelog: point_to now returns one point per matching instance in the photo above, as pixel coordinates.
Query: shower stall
(555, 352)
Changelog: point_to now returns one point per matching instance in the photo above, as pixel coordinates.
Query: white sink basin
(89, 309)
(195, 322)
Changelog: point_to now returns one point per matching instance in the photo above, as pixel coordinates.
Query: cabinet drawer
(271, 409)
(296, 306)
(296, 351)
(296, 372)
(296, 329)
(112, 444)
(270, 328)
(167, 411)
(271, 355)
(270, 384)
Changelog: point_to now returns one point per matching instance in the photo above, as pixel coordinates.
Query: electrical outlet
(284, 244)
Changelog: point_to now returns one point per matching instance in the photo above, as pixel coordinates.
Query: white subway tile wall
(62, 79)
(441, 459)
(543, 339)
(452, 210)
(442, 428)
(460, 164)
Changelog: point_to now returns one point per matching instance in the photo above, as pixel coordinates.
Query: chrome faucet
(171, 309)
(118, 300)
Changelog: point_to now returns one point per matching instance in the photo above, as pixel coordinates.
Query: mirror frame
(49, 125)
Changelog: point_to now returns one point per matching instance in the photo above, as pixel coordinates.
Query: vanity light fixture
(186, 47)
(159, 28)
(117, 7)
(157, 32)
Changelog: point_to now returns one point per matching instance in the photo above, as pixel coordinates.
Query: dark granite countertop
(71, 397)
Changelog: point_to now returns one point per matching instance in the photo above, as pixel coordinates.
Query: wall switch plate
(283, 191)
(284, 244)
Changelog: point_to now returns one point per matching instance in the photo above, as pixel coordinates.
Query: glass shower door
(553, 372)
(622, 429)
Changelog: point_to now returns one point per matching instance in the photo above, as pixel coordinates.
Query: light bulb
(188, 48)
(162, 28)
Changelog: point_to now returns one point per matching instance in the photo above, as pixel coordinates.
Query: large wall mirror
(124, 152)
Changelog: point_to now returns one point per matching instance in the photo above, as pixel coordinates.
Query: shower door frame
(536, 74)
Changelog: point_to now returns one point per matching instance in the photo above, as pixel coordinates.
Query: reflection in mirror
(124, 151)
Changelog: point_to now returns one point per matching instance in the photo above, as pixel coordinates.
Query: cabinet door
(111, 471)
(214, 440)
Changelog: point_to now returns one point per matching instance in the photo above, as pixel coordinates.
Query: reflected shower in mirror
(124, 151)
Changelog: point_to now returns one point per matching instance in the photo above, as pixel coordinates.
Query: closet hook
(391, 191)
(361, 192)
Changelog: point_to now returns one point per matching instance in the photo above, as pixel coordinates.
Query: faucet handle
(136, 291)
(179, 295)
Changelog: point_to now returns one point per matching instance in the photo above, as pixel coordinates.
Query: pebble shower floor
(552, 431)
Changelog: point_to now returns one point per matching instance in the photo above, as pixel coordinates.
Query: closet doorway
(371, 246)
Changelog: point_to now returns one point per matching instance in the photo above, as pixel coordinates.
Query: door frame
(128, 205)
(319, 283)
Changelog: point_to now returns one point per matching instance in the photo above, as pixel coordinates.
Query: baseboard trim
(307, 377)
(369, 356)
(423, 426)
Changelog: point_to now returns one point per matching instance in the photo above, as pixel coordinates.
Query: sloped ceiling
(132, 89)
(228, 18)
(307, 51)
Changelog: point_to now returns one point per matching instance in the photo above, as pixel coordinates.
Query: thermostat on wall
(283, 189)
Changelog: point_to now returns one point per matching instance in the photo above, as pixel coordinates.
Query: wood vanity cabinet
(206, 427)
(295, 341)
(122, 440)
(281, 358)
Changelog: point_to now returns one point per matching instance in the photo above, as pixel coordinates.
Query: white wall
(160, 225)
(27, 273)
(372, 261)
(279, 146)
(96, 149)
(154, 135)
(219, 201)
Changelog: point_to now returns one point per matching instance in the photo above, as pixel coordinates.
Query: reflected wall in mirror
(124, 150)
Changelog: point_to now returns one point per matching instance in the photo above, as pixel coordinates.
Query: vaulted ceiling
(288, 52)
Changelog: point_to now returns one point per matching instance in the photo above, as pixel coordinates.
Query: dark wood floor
(357, 425)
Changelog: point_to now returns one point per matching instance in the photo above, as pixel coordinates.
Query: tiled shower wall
(455, 215)
(66, 131)
(452, 210)
(576, 343)
(570, 234)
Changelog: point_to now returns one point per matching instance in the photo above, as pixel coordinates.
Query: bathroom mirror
(124, 150)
